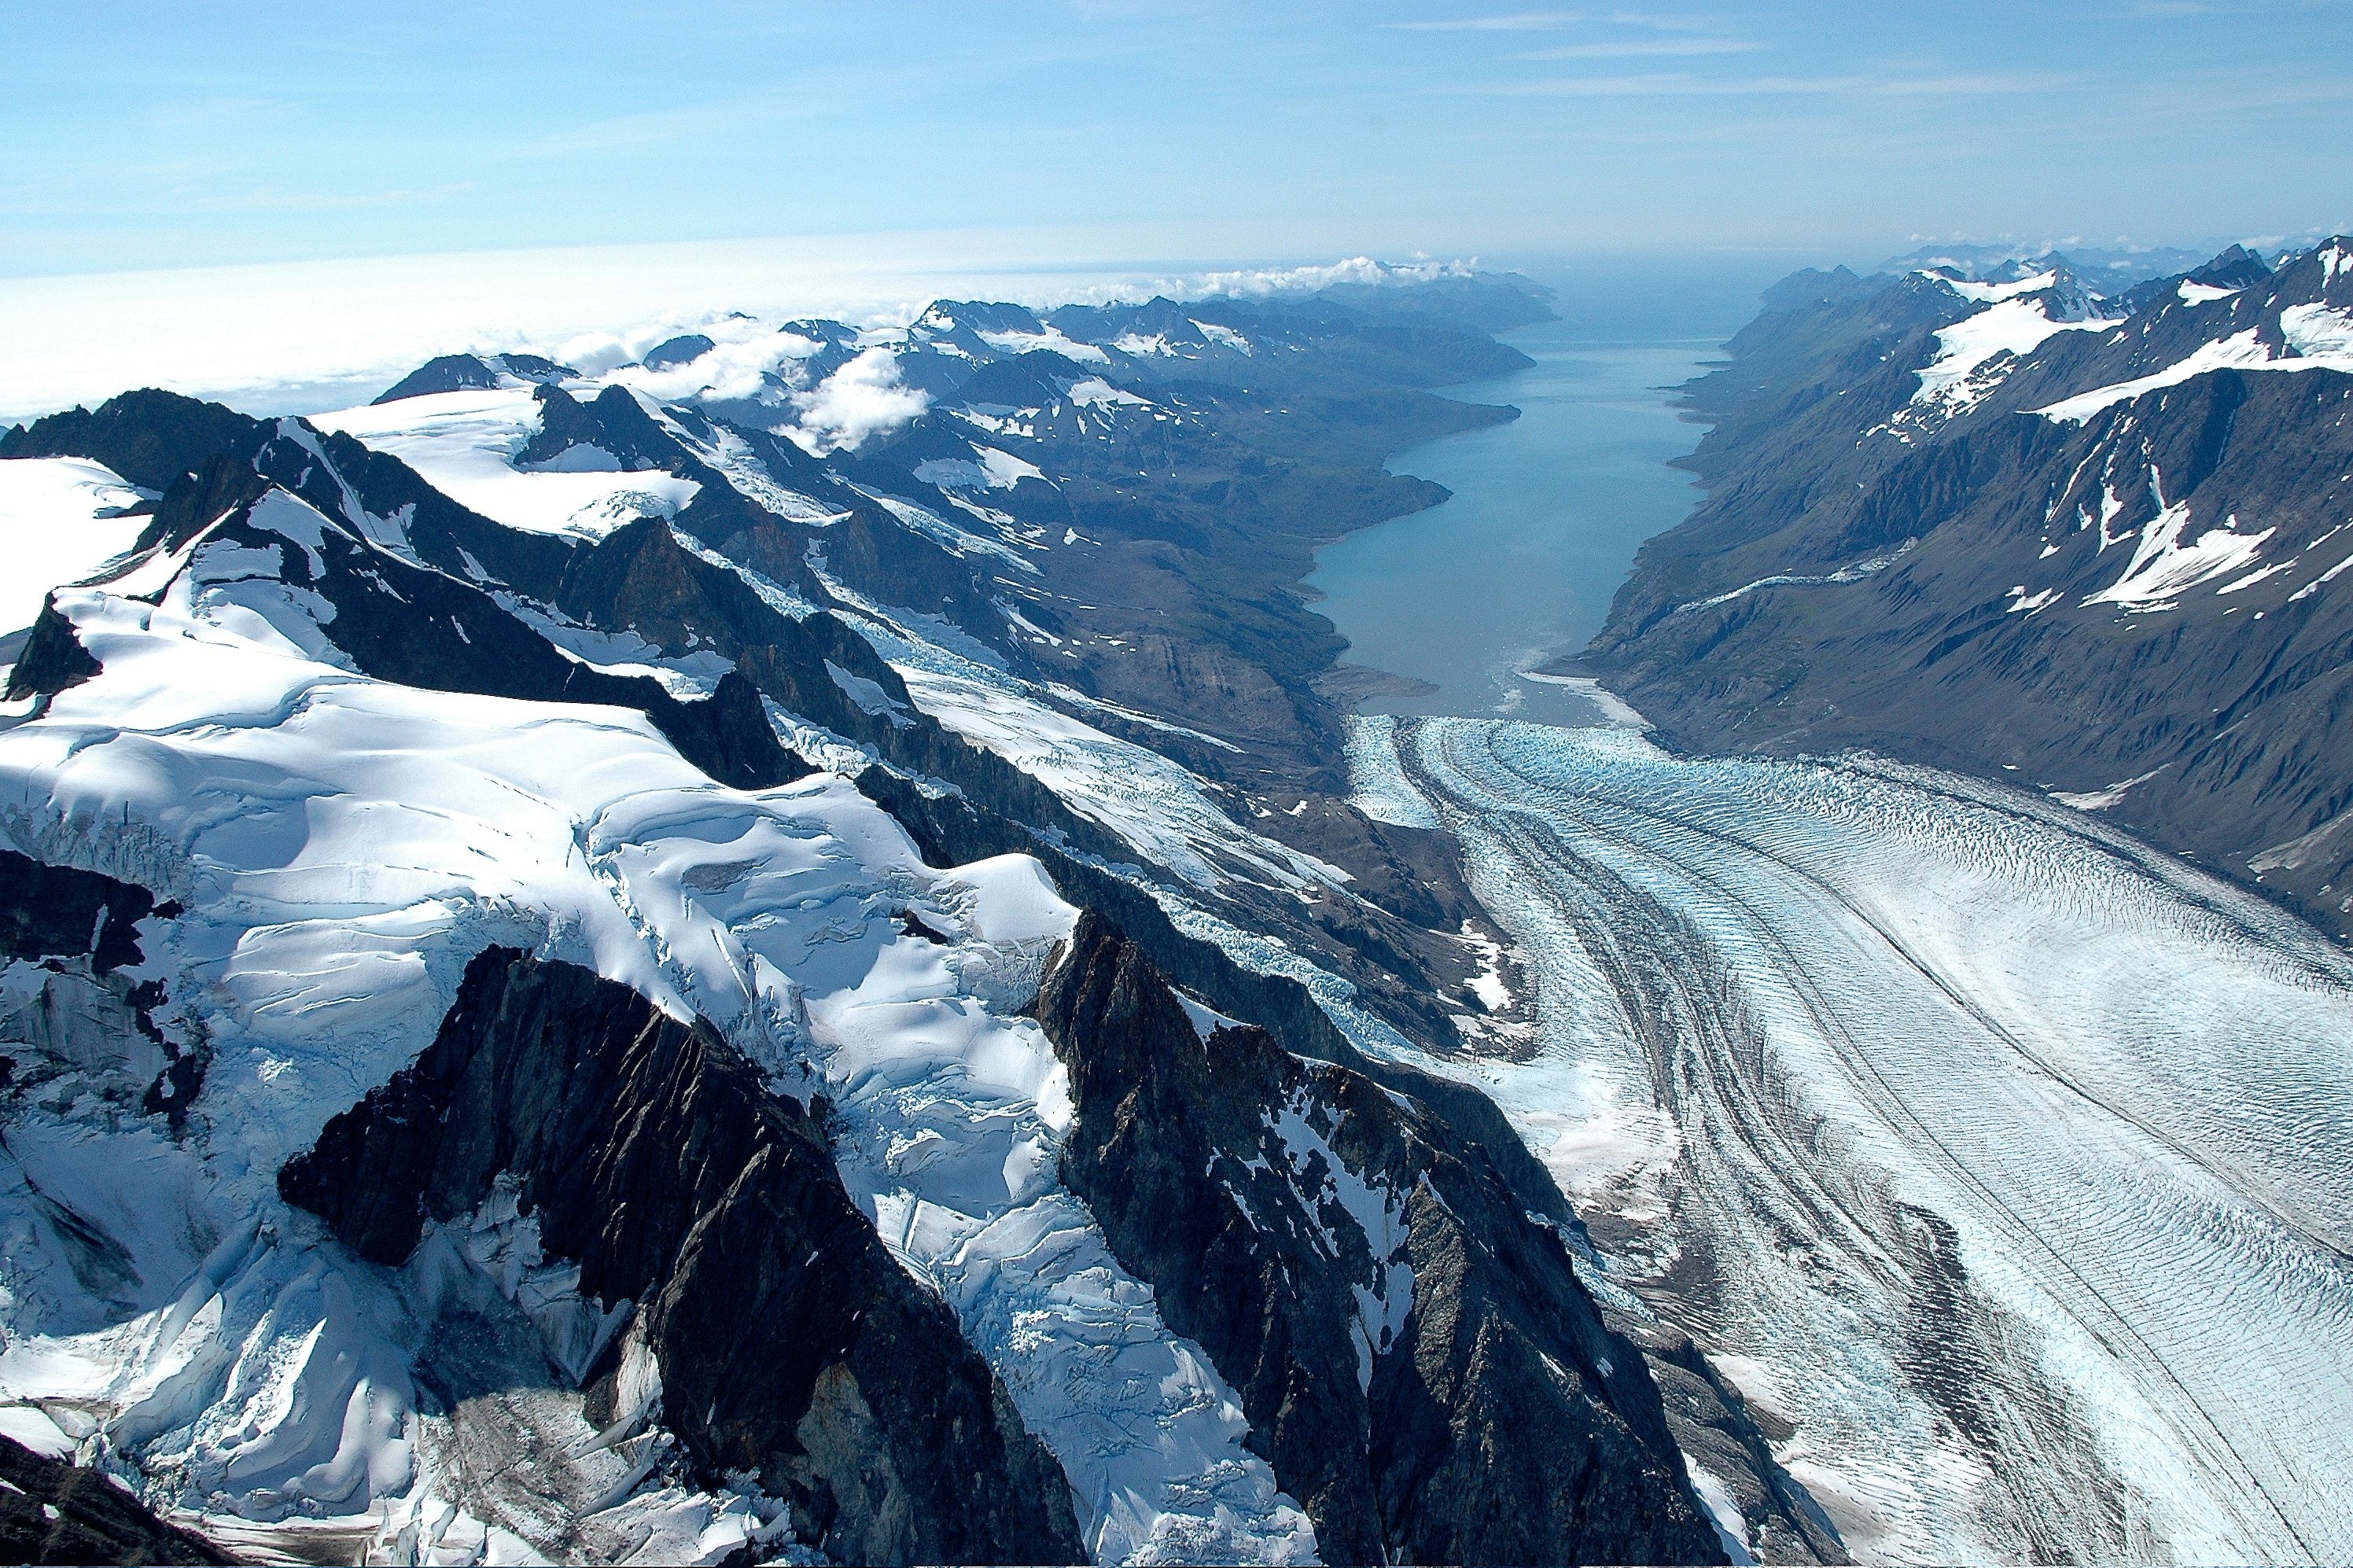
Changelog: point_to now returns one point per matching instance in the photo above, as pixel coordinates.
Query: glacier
(2000, 1156)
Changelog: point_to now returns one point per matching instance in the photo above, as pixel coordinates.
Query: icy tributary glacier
(2003, 1163)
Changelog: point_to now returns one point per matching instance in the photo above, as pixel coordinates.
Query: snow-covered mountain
(2010, 523)
(753, 955)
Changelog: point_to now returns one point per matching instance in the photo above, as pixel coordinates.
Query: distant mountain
(2002, 520)
(460, 372)
(2111, 269)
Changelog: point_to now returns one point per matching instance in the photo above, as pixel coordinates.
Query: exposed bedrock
(79, 1005)
(51, 1512)
(52, 659)
(789, 1344)
(1413, 1349)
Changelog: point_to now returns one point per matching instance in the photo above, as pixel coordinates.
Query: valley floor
(1993, 1155)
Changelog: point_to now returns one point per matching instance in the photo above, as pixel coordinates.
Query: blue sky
(141, 136)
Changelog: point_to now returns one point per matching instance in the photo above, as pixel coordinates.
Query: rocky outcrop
(51, 1512)
(789, 1344)
(150, 438)
(1731, 1441)
(1416, 1356)
(462, 373)
(52, 659)
(57, 911)
(953, 830)
(83, 1011)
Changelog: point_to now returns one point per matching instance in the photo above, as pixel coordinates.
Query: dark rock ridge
(51, 1512)
(1492, 1419)
(149, 438)
(682, 350)
(954, 829)
(790, 1345)
(463, 372)
(52, 659)
(2135, 605)
(57, 911)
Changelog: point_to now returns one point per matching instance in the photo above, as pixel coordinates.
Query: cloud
(1551, 22)
(1682, 84)
(744, 353)
(862, 399)
(1259, 281)
(275, 198)
(1521, 22)
(1631, 49)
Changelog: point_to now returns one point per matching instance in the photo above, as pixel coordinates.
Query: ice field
(2005, 1162)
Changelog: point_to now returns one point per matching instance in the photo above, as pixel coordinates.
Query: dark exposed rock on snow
(1417, 1359)
(461, 373)
(52, 659)
(426, 628)
(149, 438)
(90, 1015)
(790, 1344)
(51, 1512)
(57, 911)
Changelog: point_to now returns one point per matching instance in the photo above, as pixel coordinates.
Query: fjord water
(1547, 510)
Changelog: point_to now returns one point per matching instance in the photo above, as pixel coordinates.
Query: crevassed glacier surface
(2010, 1163)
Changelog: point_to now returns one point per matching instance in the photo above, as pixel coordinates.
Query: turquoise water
(1519, 564)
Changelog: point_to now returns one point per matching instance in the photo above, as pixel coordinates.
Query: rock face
(52, 659)
(2106, 566)
(51, 1512)
(461, 373)
(1415, 1353)
(79, 1011)
(789, 1344)
(150, 438)
(57, 911)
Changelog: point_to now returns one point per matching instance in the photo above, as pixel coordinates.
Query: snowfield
(465, 443)
(62, 519)
(2003, 1158)
(342, 846)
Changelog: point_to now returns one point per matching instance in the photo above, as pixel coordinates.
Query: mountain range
(782, 951)
(761, 954)
(2017, 527)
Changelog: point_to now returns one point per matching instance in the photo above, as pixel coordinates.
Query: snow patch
(2163, 567)
(61, 520)
(465, 444)
(1973, 354)
(1052, 340)
(1096, 393)
(2101, 799)
(2327, 333)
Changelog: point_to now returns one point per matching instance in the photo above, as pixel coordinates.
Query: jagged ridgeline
(2025, 523)
(760, 956)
